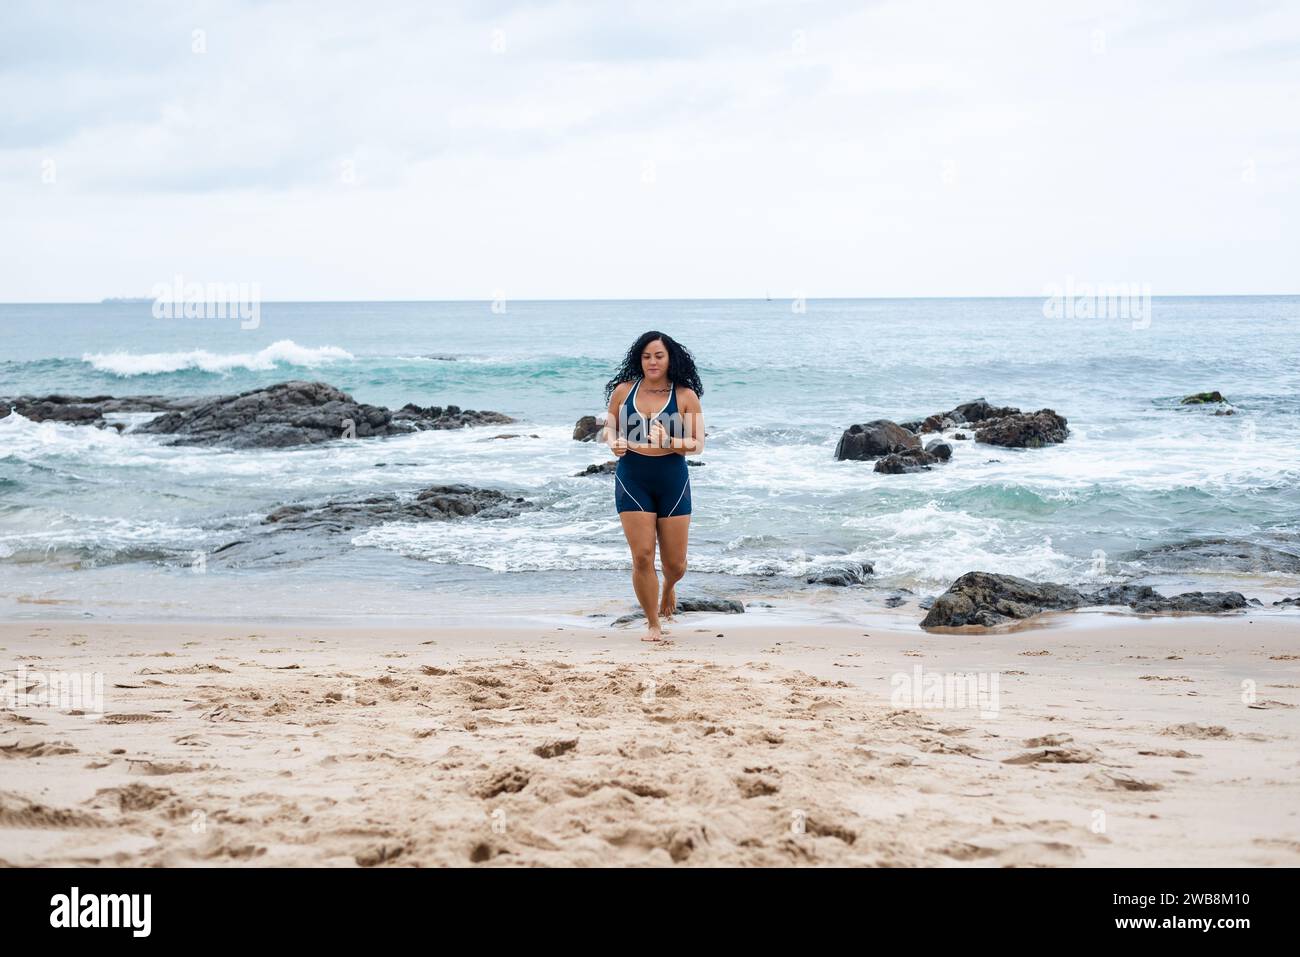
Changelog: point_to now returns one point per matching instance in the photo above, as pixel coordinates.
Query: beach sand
(1113, 740)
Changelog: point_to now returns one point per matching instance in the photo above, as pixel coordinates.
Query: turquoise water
(94, 518)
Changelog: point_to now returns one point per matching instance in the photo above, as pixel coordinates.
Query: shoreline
(324, 597)
(733, 743)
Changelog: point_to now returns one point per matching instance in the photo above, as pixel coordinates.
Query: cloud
(570, 149)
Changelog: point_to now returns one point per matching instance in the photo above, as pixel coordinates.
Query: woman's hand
(619, 446)
(658, 435)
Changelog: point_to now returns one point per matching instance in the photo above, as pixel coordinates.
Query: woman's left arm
(691, 442)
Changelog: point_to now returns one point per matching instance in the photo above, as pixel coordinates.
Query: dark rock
(587, 429)
(287, 414)
(1024, 430)
(1289, 601)
(999, 425)
(913, 460)
(979, 411)
(995, 425)
(726, 606)
(1221, 555)
(1192, 602)
(874, 439)
(1144, 598)
(842, 574)
(940, 450)
(895, 601)
(937, 423)
(437, 503)
(1121, 595)
(414, 418)
(607, 468)
(302, 413)
(1202, 398)
(88, 410)
(988, 599)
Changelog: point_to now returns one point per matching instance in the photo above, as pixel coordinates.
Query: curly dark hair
(681, 364)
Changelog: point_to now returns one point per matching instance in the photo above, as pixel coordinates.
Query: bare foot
(652, 633)
(668, 604)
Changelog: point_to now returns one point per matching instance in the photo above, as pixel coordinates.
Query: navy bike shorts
(653, 483)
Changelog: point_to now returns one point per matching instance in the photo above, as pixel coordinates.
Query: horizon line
(136, 300)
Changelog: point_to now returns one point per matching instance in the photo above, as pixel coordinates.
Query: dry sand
(1117, 741)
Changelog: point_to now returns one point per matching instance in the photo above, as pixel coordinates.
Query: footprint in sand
(1078, 755)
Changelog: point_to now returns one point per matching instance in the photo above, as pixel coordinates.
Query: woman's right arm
(611, 436)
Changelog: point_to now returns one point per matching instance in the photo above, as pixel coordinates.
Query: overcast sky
(386, 150)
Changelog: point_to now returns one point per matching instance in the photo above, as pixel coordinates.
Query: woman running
(654, 419)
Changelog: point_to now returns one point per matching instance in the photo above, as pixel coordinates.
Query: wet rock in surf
(987, 599)
(841, 574)
(1202, 398)
(1192, 602)
(1221, 555)
(940, 450)
(437, 503)
(1024, 430)
(725, 606)
(899, 448)
(607, 468)
(587, 429)
(912, 460)
(1145, 599)
(88, 410)
(301, 413)
(997, 425)
(874, 439)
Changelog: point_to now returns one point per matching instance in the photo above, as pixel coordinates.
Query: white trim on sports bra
(672, 391)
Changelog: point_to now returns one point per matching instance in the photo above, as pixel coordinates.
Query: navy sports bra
(638, 425)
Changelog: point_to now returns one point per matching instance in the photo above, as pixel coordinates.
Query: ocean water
(96, 522)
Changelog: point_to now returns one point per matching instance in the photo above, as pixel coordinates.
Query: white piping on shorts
(679, 498)
(630, 495)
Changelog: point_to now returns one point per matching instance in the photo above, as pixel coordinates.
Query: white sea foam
(933, 546)
(285, 352)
